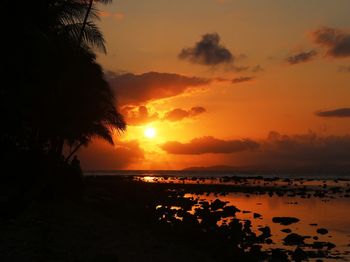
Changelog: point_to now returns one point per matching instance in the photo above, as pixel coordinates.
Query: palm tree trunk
(74, 151)
(60, 144)
(84, 22)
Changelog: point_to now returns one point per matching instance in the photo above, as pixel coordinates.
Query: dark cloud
(178, 114)
(102, 156)
(305, 150)
(345, 69)
(253, 69)
(242, 79)
(300, 152)
(340, 112)
(197, 110)
(208, 51)
(138, 115)
(132, 89)
(336, 41)
(241, 56)
(301, 57)
(257, 68)
(208, 144)
(239, 68)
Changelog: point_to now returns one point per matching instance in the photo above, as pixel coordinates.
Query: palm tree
(57, 96)
(89, 105)
(86, 22)
(97, 115)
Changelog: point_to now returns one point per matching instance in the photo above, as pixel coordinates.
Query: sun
(150, 132)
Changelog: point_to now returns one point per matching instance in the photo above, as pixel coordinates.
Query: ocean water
(314, 213)
(217, 174)
(331, 210)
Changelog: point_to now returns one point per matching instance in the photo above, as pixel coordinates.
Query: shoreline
(116, 221)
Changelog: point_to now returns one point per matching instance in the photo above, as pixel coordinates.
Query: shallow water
(294, 197)
(332, 214)
(313, 199)
(210, 174)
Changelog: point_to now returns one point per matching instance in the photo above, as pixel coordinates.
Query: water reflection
(319, 211)
(332, 214)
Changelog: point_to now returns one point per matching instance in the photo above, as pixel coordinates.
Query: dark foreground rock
(294, 239)
(285, 220)
(322, 231)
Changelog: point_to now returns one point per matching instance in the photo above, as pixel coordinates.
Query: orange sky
(224, 75)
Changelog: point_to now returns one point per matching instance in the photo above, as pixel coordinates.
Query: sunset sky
(227, 82)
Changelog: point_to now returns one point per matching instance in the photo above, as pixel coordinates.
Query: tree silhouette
(56, 95)
(86, 22)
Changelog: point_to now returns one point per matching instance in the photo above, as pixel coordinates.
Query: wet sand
(128, 219)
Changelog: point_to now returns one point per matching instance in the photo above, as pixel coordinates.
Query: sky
(241, 83)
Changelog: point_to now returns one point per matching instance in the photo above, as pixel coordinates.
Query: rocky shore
(126, 219)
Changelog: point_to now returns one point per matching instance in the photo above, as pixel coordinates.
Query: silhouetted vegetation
(55, 98)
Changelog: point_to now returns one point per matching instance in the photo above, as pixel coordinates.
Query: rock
(285, 220)
(266, 232)
(286, 230)
(279, 255)
(256, 215)
(107, 258)
(294, 239)
(217, 204)
(322, 231)
(321, 245)
(299, 255)
(204, 204)
(229, 211)
(268, 241)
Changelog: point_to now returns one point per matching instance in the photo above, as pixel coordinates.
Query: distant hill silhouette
(217, 168)
(267, 169)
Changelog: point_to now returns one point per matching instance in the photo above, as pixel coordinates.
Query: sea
(329, 210)
(319, 175)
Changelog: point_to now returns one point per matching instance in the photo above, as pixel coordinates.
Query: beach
(143, 218)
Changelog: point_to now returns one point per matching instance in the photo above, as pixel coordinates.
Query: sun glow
(150, 132)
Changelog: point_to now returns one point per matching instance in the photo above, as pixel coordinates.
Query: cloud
(179, 114)
(102, 156)
(138, 115)
(242, 79)
(208, 51)
(276, 152)
(257, 68)
(239, 68)
(253, 69)
(208, 144)
(141, 115)
(305, 150)
(118, 16)
(340, 112)
(299, 152)
(104, 14)
(345, 69)
(301, 57)
(336, 41)
(133, 89)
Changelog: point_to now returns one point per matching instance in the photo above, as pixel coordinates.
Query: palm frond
(91, 36)
(103, 132)
(104, 1)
